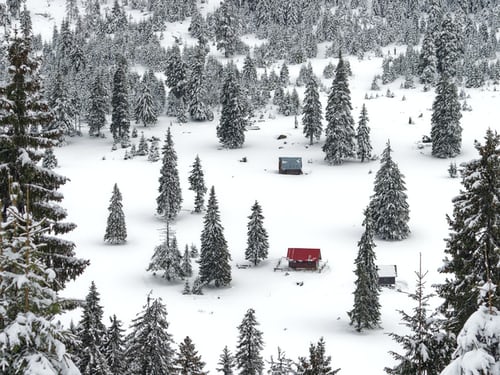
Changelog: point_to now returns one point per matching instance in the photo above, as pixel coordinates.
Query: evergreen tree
(98, 106)
(426, 347)
(188, 361)
(226, 362)
(232, 123)
(120, 117)
(142, 148)
(446, 132)
(473, 246)
(250, 343)
(197, 184)
(448, 47)
(167, 258)
(114, 347)
(366, 311)
(478, 351)
(91, 331)
(21, 109)
(146, 110)
(428, 61)
(281, 365)
(364, 150)
(340, 134)
(311, 110)
(28, 302)
(186, 267)
(149, 345)
(317, 363)
(116, 230)
(49, 160)
(227, 28)
(154, 151)
(214, 254)
(388, 205)
(170, 198)
(176, 79)
(257, 240)
(196, 86)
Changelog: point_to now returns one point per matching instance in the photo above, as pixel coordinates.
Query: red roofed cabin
(302, 258)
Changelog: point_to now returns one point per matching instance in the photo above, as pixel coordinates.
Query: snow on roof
(387, 270)
(304, 254)
(288, 162)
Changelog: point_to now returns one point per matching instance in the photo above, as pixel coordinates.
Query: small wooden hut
(303, 258)
(290, 165)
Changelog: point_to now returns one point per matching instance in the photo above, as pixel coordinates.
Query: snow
(322, 208)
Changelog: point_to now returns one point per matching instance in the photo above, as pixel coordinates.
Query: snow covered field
(322, 208)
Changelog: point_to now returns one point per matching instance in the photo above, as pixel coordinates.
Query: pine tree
(478, 351)
(176, 76)
(149, 345)
(366, 311)
(188, 361)
(91, 332)
(98, 106)
(214, 254)
(311, 110)
(49, 160)
(446, 132)
(473, 246)
(257, 240)
(448, 47)
(317, 363)
(281, 365)
(227, 28)
(116, 230)
(232, 123)
(120, 117)
(250, 343)
(146, 110)
(28, 301)
(426, 347)
(170, 198)
(364, 149)
(388, 205)
(226, 362)
(428, 61)
(167, 258)
(21, 109)
(340, 134)
(142, 148)
(196, 86)
(114, 347)
(154, 151)
(197, 184)
(186, 267)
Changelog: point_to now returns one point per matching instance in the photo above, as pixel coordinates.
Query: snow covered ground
(322, 208)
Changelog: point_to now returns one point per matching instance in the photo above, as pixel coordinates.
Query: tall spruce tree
(318, 362)
(311, 110)
(366, 311)
(250, 344)
(149, 344)
(170, 198)
(28, 301)
(197, 184)
(227, 28)
(97, 107)
(340, 140)
(146, 108)
(226, 362)
(426, 347)
(446, 132)
(233, 121)
(197, 85)
(21, 108)
(473, 246)
(364, 149)
(214, 254)
(257, 238)
(120, 114)
(388, 204)
(116, 229)
(91, 331)
(114, 347)
(448, 46)
(188, 361)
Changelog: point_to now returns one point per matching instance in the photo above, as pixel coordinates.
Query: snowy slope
(322, 208)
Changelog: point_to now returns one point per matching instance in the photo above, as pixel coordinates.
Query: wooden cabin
(290, 165)
(387, 275)
(303, 258)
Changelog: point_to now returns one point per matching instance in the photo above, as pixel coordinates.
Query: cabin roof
(303, 254)
(387, 270)
(290, 162)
